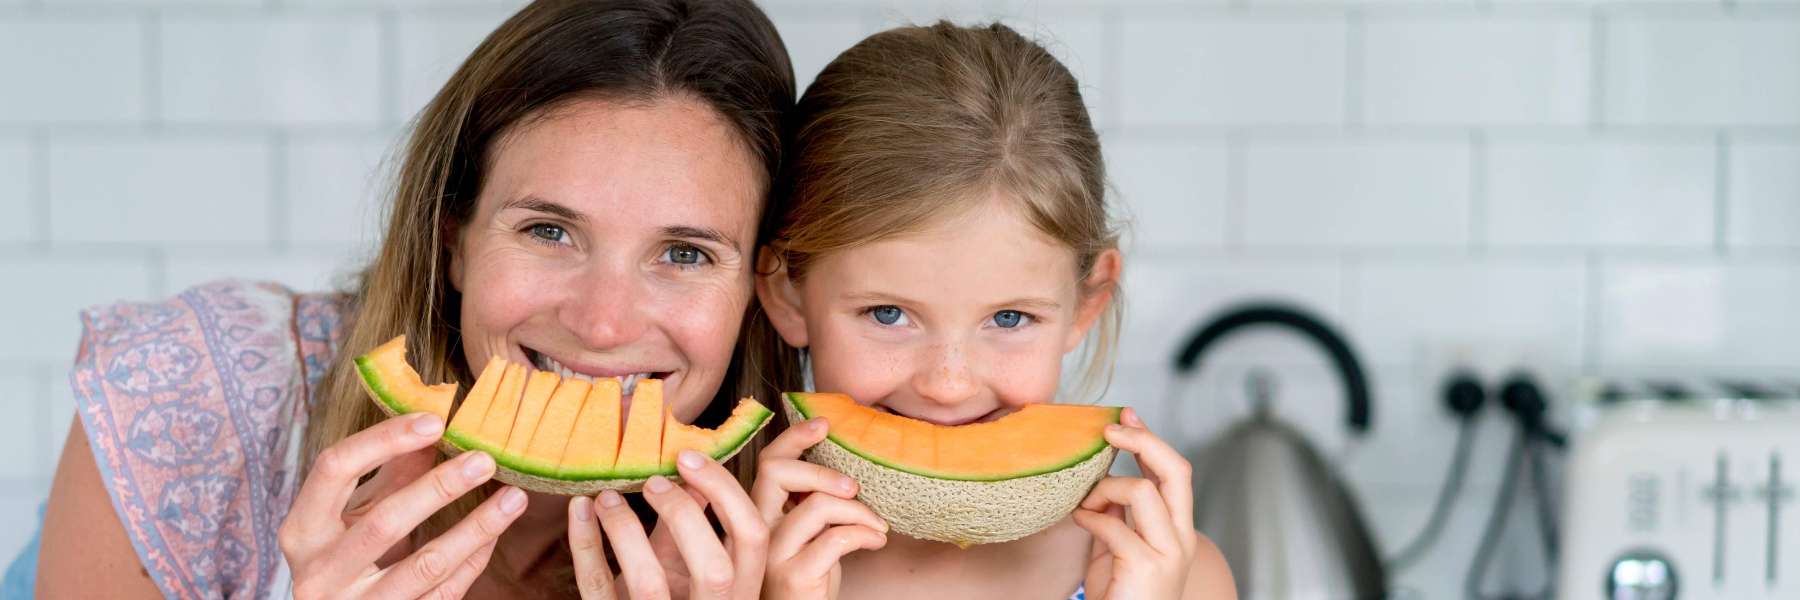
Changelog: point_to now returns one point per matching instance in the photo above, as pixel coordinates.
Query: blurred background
(1604, 195)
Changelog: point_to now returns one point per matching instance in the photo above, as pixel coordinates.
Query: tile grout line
(1236, 191)
(40, 189)
(1478, 200)
(278, 199)
(1353, 70)
(1722, 194)
(1596, 71)
(1591, 328)
(153, 59)
(388, 90)
(157, 261)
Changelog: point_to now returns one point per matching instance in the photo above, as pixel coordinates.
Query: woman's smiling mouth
(628, 377)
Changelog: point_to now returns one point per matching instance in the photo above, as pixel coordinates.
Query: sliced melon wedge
(967, 484)
(554, 436)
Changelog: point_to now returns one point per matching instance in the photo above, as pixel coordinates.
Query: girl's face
(964, 322)
(613, 240)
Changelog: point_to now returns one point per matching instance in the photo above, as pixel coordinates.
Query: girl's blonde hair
(725, 53)
(916, 124)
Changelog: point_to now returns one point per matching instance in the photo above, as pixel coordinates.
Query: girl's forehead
(985, 250)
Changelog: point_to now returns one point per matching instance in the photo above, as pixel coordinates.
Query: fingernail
(427, 425)
(611, 499)
(512, 500)
(478, 466)
(690, 459)
(582, 507)
(816, 423)
(847, 484)
(1113, 427)
(657, 484)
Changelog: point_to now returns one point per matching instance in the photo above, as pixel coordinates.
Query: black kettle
(1279, 512)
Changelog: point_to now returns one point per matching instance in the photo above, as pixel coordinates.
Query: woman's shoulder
(194, 408)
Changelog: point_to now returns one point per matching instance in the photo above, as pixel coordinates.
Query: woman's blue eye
(548, 232)
(886, 315)
(686, 255)
(1008, 319)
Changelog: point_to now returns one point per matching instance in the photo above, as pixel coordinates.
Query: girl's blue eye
(548, 232)
(1008, 319)
(685, 255)
(886, 315)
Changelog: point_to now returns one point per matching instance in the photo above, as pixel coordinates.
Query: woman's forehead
(669, 159)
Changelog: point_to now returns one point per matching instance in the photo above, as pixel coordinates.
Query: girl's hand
(336, 534)
(683, 558)
(1151, 556)
(814, 517)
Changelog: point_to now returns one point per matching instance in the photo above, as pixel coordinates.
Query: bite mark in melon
(967, 484)
(393, 383)
(555, 436)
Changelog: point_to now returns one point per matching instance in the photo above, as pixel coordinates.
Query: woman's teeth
(627, 383)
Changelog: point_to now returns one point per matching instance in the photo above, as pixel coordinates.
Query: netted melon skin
(964, 513)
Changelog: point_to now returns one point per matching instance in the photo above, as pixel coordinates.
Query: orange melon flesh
(1036, 439)
(551, 436)
(475, 405)
(594, 444)
(497, 425)
(388, 378)
(640, 449)
(744, 421)
(538, 388)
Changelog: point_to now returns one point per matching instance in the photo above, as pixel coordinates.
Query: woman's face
(613, 240)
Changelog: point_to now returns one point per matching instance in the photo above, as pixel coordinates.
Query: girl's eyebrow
(1040, 304)
(536, 204)
(877, 298)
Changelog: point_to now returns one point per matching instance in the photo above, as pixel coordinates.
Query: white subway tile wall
(1573, 186)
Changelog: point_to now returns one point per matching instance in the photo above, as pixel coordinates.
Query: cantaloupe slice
(640, 449)
(594, 444)
(745, 421)
(538, 387)
(552, 436)
(497, 425)
(967, 484)
(394, 385)
(466, 427)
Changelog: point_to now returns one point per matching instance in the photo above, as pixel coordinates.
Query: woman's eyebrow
(700, 233)
(536, 204)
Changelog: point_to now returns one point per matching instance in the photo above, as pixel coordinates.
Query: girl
(941, 241)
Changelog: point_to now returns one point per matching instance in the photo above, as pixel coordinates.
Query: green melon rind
(799, 402)
(378, 388)
(963, 512)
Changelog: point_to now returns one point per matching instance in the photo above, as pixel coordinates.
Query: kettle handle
(1350, 371)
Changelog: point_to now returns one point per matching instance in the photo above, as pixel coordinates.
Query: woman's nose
(944, 377)
(602, 308)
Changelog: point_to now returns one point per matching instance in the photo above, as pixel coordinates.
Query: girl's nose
(944, 377)
(601, 307)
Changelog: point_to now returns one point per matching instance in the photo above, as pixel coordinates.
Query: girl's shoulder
(194, 408)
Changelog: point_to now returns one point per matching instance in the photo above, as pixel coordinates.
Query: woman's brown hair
(917, 124)
(725, 53)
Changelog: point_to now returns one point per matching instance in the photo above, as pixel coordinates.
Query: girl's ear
(1096, 295)
(780, 298)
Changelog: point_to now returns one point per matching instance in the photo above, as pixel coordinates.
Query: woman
(583, 193)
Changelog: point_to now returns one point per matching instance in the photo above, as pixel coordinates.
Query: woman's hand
(1151, 556)
(684, 557)
(337, 533)
(814, 517)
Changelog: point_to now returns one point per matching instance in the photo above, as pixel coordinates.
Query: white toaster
(1693, 498)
